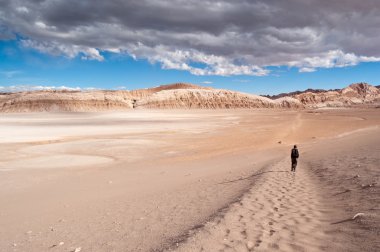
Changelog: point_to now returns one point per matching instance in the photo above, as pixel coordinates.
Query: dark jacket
(294, 153)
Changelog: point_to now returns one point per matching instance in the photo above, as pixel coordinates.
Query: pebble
(77, 249)
(250, 245)
(358, 215)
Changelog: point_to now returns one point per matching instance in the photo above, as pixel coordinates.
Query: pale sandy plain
(190, 180)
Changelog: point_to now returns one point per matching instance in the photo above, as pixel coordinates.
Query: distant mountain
(183, 96)
(174, 96)
(291, 94)
(354, 94)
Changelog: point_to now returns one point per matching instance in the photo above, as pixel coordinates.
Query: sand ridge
(279, 213)
(329, 204)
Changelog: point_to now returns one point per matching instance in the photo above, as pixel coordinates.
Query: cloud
(331, 59)
(22, 88)
(207, 82)
(70, 51)
(213, 38)
(121, 88)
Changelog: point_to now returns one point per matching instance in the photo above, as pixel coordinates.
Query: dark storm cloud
(229, 37)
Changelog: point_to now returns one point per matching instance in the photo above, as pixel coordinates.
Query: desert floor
(190, 180)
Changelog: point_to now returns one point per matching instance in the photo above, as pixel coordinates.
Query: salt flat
(140, 180)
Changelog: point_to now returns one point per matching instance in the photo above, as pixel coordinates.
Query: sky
(253, 46)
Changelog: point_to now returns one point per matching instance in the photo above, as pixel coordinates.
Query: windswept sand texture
(312, 210)
(189, 180)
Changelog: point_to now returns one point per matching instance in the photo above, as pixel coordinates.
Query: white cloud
(121, 88)
(185, 59)
(41, 25)
(21, 88)
(331, 59)
(70, 51)
(22, 9)
(207, 82)
(92, 54)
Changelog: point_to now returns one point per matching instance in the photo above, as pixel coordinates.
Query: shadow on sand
(342, 221)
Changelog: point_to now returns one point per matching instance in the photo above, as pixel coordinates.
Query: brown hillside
(181, 95)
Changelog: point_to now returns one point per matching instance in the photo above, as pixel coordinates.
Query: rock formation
(181, 96)
(211, 99)
(355, 94)
(75, 101)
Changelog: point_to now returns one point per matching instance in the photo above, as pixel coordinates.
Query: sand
(187, 180)
(313, 209)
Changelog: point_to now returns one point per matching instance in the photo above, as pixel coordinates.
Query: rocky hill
(179, 95)
(182, 96)
(65, 101)
(292, 94)
(212, 99)
(355, 94)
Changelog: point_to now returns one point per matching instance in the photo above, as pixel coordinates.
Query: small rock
(367, 186)
(77, 249)
(29, 232)
(279, 142)
(250, 245)
(57, 245)
(14, 244)
(358, 215)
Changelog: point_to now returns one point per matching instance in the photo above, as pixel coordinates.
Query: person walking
(294, 156)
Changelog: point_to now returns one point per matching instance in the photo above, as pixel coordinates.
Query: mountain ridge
(182, 96)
